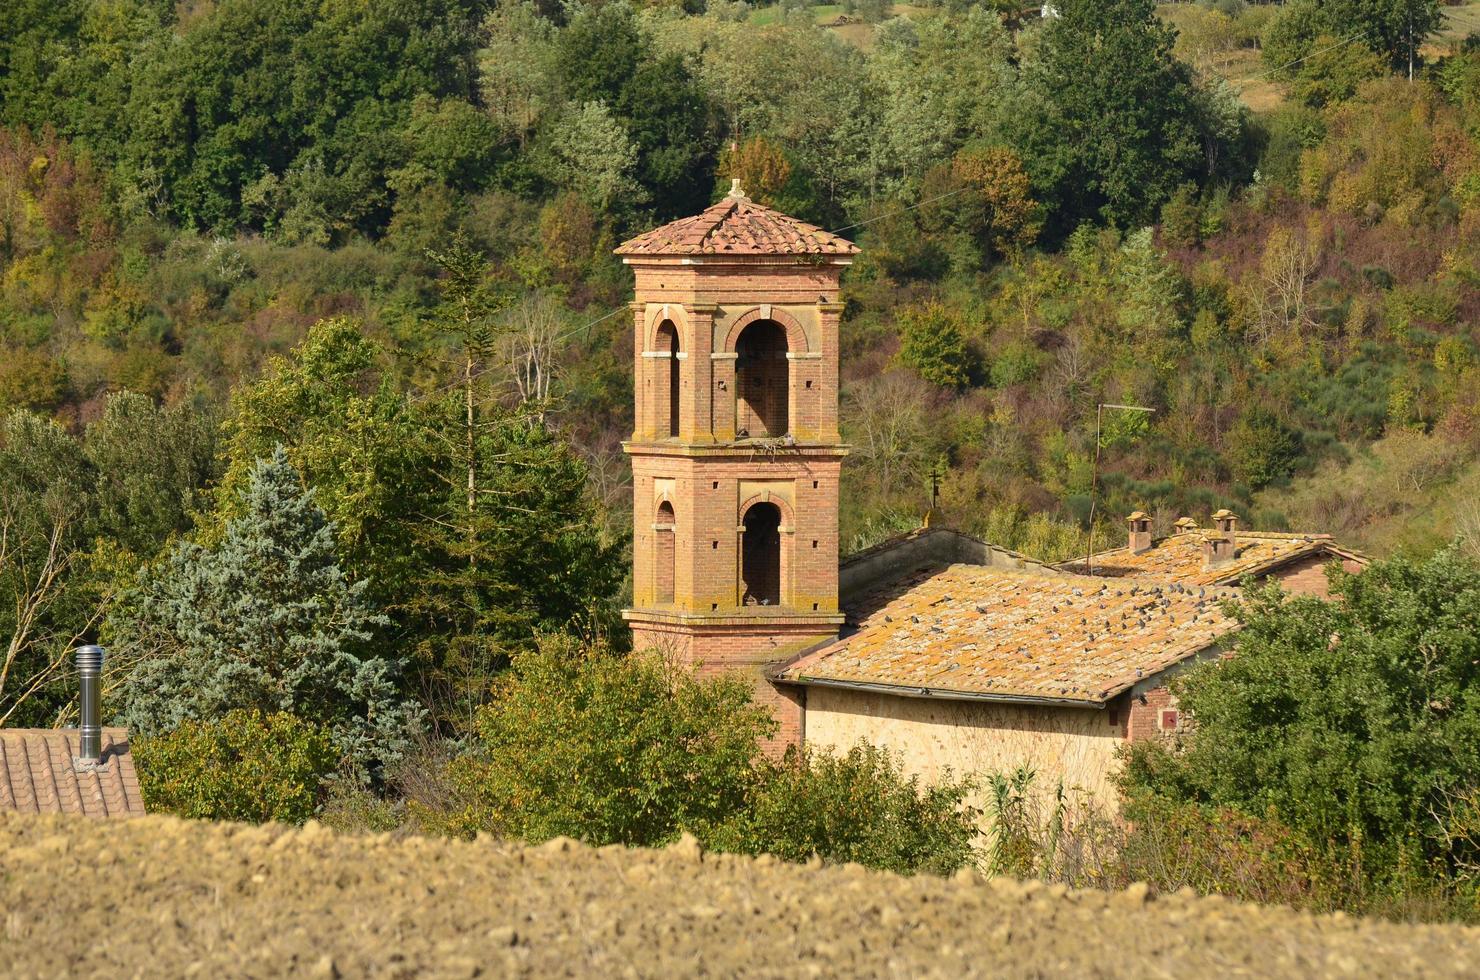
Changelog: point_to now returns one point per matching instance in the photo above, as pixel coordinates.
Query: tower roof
(736, 225)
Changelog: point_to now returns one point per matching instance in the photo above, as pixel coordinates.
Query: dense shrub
(636, 750)
(858, 806)
(588, 744)
(933, 342)
(1352, 721)
(243, 765)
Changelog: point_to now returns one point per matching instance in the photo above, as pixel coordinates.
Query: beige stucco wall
(931, 735)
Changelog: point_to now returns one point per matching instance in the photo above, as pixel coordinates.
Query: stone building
(952, 652)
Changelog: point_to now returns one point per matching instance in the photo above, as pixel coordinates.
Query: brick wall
(1308, 577)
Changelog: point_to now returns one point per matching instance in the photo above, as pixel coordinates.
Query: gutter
(942, 694)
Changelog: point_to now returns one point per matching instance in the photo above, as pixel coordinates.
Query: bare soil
(163, 897)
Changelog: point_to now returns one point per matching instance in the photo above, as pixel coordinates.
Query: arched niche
(665, 553)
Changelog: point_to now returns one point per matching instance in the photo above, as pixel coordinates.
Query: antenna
(1094, 478)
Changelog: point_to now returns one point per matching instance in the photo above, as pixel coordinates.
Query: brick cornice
(741, 452)
(759, 617)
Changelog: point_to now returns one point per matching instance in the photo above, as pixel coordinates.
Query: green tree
(1263, 448)
(1109, 128)
(150, 468)
(607, 749)
(44, 510)
(265, 619)
(1353, 720)
(1333, 73)
(464, 585)
(591, 152)
(933, 342)
(345, 427)
(243, 765)
(604, 60)
(1394, 30)
(316, 97)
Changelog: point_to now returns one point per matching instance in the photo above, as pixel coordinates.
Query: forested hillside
(1253, 222)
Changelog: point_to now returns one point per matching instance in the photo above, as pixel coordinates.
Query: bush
(244, 765)
(856, 807)
(608, 749)
(933, 342)
(1264, 449)
(635, 750)
(1181, 218)
(1169, 845)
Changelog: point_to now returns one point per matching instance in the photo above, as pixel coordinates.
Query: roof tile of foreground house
(1183, 557)
(737, 226)
(38, 774)
(970, 631)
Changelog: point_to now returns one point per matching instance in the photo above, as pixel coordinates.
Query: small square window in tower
(761, 381)
(760, 568)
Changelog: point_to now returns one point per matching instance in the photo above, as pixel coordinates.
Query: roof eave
(942, 694)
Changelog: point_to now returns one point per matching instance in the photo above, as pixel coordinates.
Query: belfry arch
(762, 381)
(669, 382)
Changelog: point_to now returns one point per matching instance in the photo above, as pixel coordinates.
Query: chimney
(89, 674)
(1222, 545)
(1185, 524)
(1140, 539)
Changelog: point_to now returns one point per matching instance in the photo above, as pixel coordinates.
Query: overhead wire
(1305, 57)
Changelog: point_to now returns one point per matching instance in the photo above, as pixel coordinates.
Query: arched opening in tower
(761, 381)
(664, 553)
(760, 564)
(668, 341)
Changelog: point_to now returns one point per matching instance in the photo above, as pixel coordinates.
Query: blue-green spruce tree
(264, 619)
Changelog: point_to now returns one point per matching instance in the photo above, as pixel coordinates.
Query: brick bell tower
(736, 454)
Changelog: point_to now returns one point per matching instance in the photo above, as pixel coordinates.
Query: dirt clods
(165, 897)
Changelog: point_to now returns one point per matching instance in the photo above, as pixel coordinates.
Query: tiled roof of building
(1180, 557)
(37, 774)
(974, 631)
(738, 226)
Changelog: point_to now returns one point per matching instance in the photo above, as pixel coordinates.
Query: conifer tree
(265, 619)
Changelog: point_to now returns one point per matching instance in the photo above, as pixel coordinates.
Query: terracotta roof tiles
(1179, 557)
(37, 774)
(970, 630)
(737, 226)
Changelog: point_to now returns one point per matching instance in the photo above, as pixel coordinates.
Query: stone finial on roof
(736, 194)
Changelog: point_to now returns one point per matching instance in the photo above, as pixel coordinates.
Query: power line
(1306, 57)
(891, 214)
